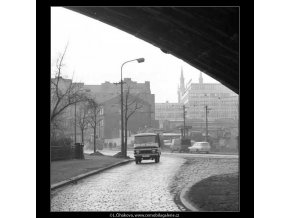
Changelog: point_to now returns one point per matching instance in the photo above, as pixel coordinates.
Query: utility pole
(206, 122)
(121, 119)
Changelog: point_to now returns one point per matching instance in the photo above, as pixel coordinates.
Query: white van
(147, 146)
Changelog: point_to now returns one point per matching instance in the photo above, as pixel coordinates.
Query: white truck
(147, 146)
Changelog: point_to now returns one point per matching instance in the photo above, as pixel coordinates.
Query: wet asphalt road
(144, 187)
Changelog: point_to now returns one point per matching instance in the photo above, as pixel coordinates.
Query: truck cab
(147, 146)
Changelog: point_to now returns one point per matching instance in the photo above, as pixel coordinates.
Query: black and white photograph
(144, 109)
(115, 110)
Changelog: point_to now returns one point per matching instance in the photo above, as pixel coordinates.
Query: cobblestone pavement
(196, 169)
(144, 187)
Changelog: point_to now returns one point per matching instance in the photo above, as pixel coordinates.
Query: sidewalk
(65, 171)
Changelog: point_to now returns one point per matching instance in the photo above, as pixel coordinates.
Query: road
(144, 187)
(210, 155)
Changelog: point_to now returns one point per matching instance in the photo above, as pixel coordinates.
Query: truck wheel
(156, 159)
(137, 160)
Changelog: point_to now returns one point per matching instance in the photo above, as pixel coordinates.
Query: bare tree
(94, 118)
(56, 127)
(132, 103)
(64, 93)
(83, 119)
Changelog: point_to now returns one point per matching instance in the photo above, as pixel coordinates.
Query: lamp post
(139, 60)
(184, 114)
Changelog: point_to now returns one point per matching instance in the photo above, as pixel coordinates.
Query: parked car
(200, 147)
(175, 145)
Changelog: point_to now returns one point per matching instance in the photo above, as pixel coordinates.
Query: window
(102, 111)
(145, 139)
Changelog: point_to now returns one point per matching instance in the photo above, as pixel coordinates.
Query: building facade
(139, 119)
(107, 95)
(222, 103)
(169, 115)
(107, 91)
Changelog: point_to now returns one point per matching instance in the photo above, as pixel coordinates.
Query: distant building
(168, 114)
(112, 117)
(181, 86)
(221, 101)
(223, 109)
(107, 91)
(108, 96)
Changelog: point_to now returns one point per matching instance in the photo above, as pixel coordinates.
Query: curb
(184, 196)
(84, 175)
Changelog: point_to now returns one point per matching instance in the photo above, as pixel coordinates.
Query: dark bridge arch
(207, 38)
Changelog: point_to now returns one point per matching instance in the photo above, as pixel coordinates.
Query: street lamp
(139, 60)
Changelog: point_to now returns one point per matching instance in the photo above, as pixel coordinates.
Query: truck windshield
(145, 139)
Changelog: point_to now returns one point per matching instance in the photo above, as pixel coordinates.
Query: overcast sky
(96, 52)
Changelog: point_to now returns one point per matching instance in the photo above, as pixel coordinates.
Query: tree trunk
(82, 135)
(125, 144)
(94, 139)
